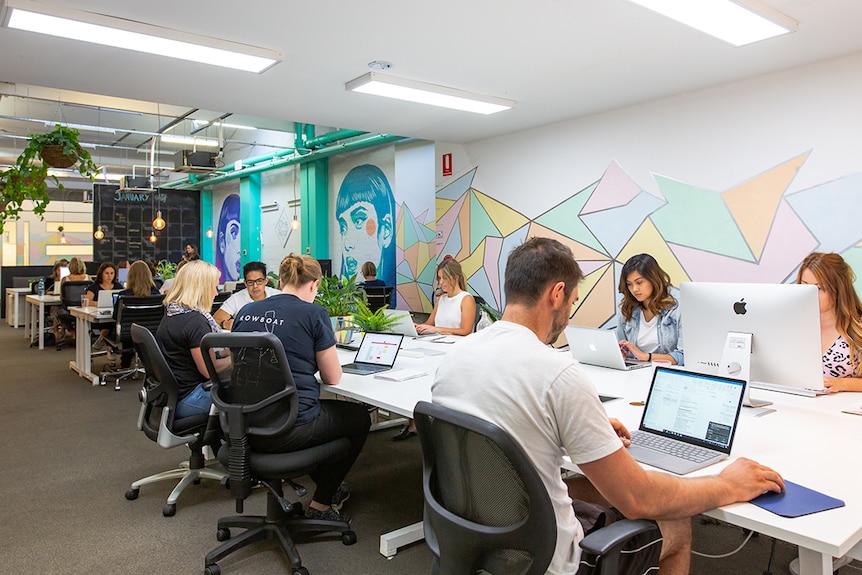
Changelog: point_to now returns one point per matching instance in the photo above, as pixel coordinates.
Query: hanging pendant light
(99, 233)
(153, 237)
(62, 234)
(210, 232)
(159, 223)
(294, 224)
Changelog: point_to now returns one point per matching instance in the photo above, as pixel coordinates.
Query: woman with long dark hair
(649, 325)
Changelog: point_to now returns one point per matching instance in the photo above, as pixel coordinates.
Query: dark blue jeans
(336, 419)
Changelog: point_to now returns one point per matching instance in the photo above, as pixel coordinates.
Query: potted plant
(340, 298)
(27, 179)
(166, 269)
(366, 320)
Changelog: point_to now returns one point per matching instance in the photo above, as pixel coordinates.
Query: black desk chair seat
(257, 402)
(143, 311)
(159, 396)
(486, 508)
(379, 296)
(70, 296)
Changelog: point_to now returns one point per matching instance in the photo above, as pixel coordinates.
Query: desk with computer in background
(34, 321)
(85, 317)
(806, 439)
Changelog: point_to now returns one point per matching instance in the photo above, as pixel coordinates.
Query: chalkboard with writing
(127, 217)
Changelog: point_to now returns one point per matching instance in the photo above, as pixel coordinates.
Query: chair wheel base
(348, 538)
(169, 510)
(212, 570)
(223, 534)
(132, 494)
(300, 571)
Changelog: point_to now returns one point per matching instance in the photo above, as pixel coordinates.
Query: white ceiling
(559, 59)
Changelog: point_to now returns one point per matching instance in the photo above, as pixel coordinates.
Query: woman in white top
(455, 310)
(255, 290)
(454, 314)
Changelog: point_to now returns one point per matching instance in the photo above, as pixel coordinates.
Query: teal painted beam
(249, 209)
(314, 224)
(207, 248)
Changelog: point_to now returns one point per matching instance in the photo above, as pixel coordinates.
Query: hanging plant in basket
(27, 179)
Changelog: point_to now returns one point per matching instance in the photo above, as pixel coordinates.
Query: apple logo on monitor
(739, 307)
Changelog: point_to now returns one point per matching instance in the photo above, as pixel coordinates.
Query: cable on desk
(722, 556)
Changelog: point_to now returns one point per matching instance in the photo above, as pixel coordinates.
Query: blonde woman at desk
(454, 314)
(840, 319)
(649, 325)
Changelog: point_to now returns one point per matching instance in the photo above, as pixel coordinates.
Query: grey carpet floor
(71, 450)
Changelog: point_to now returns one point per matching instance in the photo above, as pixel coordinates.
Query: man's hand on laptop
(749, 479)
(621, 431)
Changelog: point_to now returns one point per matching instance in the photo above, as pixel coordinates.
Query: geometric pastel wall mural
(753, 232)
(415, 258)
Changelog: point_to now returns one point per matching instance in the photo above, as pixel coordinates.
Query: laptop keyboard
(672, 447)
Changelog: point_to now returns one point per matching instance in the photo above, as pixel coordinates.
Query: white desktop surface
(15, 308)
(35, 320)
(85, 317)
(807, 439)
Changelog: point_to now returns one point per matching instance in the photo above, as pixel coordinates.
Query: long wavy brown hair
(646, 266)
(836, 278)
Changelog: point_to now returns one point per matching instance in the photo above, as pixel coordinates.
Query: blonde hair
(298, 270)
(835, 277)
(140, 279)
(77, 267)
(194, 286)
(369, 269)
(451, 270)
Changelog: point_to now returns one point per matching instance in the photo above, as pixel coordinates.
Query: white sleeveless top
(449, 311)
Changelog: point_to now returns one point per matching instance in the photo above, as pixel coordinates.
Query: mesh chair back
(219, 299)
(71, 292)
(486, 509)
(160, 386)
(379, 296)
(145, 311)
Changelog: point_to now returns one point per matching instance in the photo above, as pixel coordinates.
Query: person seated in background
(454, 311)
(56, 274)
(840, 319)
(77, 273)
(106, 279)
(255, 280)
(187, 320)
(191, 253)
(139, 283)
(369, 272)
(166, 286)
(508, 374)
(122, 264)
(306, 332)
(649, 325)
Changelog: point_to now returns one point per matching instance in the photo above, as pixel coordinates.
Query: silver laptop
(106, 299)
(599, 347)
(377, 353)
(404, 324)
(689, 420)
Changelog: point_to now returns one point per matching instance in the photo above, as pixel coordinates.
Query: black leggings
(336, 419)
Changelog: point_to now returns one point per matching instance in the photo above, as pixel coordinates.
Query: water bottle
(41, 288)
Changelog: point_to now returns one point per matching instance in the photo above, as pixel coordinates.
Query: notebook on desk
(689, 420)
(377, 353)
(599, 347)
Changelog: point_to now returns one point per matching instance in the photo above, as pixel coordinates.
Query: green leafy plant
(272, 280)
(493, 314)
(28, 178)
(340, 297)
(366, 320)
(166, 269)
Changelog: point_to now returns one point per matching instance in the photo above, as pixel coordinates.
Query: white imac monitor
(783, 319)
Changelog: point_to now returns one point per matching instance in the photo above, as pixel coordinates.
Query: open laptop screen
(701, 408)
(379, 348)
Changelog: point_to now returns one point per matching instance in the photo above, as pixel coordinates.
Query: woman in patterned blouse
(840, 319)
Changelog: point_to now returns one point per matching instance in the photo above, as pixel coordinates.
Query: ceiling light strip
(738, 22)
(63, 22)
(424, 93)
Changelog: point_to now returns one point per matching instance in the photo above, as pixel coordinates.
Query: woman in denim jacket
(649, 325)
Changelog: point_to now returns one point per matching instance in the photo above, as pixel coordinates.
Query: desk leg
(40, 324)
(28, 319)
(83, 364)
(390, 542)
(814, 563)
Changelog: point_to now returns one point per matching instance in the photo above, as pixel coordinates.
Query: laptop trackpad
(663, 460)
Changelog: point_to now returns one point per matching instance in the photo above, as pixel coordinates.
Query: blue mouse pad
(796, 501)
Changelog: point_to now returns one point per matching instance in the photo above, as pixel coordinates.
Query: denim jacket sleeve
(670, 332)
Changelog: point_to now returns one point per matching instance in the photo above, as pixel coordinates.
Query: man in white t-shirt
(509, 375)
(255, 290)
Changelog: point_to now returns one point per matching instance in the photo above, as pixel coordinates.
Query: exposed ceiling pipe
(376, 140)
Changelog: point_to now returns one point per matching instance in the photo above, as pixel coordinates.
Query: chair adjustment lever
(286, 505)
(299, 489)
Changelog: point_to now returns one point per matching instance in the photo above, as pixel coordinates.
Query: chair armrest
(610, 538)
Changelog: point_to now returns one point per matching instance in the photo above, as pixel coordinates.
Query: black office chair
(486, 508)
(70, 295)
(219, 299)
(379, 296)
(144, 311)
(260, 401)
(157, 419)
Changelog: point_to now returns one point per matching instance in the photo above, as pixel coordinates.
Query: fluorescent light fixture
(737, 22)
(63, 22)
(382, 85)
(82, 127)
(205, 124)
(189, 140)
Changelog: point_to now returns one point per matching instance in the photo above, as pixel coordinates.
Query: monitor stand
(736, 363)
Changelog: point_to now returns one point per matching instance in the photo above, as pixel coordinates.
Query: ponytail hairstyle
(298, 270)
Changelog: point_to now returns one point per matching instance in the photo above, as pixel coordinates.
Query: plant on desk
(166, 269)
(366, 320)
(340, 298)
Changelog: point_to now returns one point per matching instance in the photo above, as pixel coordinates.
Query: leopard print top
(837, 361)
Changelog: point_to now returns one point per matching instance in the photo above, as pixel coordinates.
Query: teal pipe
(193, 178)
(376, 140)
(332, 137)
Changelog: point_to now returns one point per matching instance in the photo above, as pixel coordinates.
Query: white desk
(85, 317)
(36, 322)
(15, 306)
